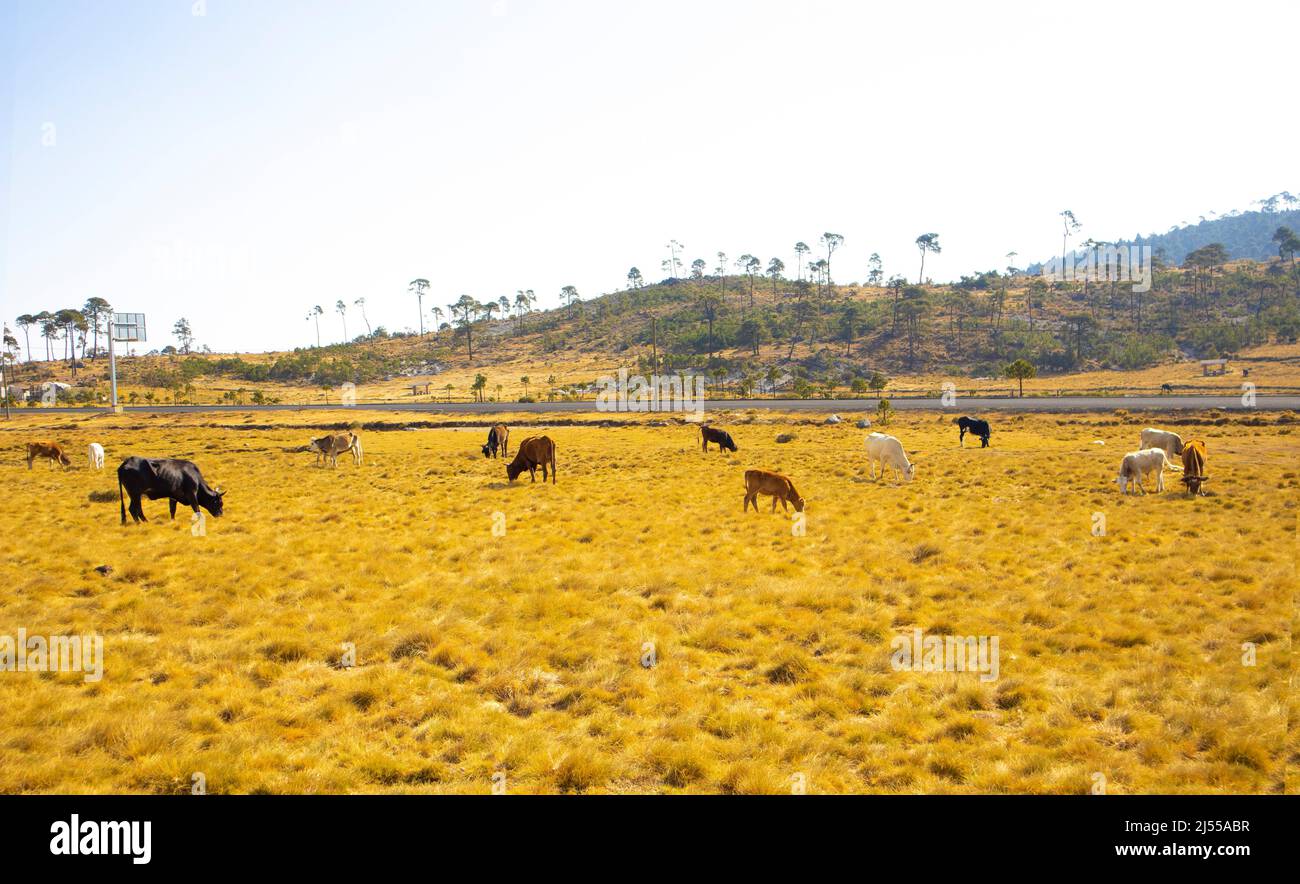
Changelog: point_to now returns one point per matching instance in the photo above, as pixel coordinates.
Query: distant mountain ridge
(1246, 235)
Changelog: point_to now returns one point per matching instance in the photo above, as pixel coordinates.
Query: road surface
(962, 405)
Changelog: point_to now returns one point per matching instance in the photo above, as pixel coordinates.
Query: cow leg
(171, 507)
(137, 510)
(532, 471)
(961, 438)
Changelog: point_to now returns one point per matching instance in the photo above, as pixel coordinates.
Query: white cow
(1172, 443)
(889, 452)
(96, 456)
(1137, 464)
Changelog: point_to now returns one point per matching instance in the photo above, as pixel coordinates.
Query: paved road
(963, 404)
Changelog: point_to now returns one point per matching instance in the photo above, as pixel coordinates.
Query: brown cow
(721, 437)
(1194, 466)
(534, 452)
(52, 450)
(766, 482)
(498, 438)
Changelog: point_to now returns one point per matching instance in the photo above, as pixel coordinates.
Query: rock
(863, 424)
(785, 437)
(833, 419)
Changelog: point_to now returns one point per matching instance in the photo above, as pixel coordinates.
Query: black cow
(498, 438)
(154, 478)
(721, 437)
(975, 427)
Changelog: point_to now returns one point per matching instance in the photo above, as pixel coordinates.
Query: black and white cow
(975, 427)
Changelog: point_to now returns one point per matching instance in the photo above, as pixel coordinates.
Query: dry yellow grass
(522, 655)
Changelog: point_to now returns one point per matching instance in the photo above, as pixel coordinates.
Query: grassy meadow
(522, 655)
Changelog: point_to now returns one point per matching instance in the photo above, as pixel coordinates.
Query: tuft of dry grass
(633, 631)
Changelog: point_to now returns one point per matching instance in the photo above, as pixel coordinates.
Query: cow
(95, 454)
(1137, 464)
(328, 448)
(1194, 467)
(889, 452)
(1172, 443)
(498, 438)
(178, 480)
(721, 437)
(774, 484)
(975, 427)
(52, 450)
(533, 452)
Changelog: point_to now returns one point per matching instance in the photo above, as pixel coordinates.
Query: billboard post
(122, 327)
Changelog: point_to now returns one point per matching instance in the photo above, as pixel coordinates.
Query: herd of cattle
(181, 482)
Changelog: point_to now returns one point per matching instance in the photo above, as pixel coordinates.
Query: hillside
(799, 337)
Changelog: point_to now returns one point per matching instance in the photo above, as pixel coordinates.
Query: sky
(236, 162)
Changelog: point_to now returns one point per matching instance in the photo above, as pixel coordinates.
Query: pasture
(506, 629)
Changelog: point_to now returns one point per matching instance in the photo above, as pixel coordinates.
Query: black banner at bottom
(334, 832)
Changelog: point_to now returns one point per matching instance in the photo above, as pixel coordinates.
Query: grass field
(522, 656)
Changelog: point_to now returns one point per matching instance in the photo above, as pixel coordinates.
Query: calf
(975, 427)
(1137, 464)
(52, 450)
(1172, 443)
(95, 453)
(178, 480)
(498, 438)
(534, 452)
(774, 484)
(328, 448)
(888, 451)
(721, 437)
(1194, 466)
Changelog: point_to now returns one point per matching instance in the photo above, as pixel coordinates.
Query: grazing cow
(1137, 464)
(498, 438)
(889, 452)
(178, 480)
(774, 484)
(721, 437)
(328, 448)
(95, 453)
(534, 452)
(1194, 466)
(1172, 443)
(975, 427)
(52, 450)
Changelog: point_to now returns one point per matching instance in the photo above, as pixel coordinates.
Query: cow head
(798, 504)
(513, 469)
(64, 459)
(910, 473)
(487, 450)
(214, 502)
(315, 446)
(728, 443)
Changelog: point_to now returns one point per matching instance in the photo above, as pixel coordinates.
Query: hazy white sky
(240, 165)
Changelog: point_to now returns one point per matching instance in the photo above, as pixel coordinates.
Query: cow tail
(120, 498)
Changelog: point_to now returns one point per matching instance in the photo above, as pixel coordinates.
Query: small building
(1212, 367)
